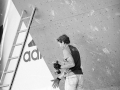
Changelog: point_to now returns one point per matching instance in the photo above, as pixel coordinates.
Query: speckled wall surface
(93, 27)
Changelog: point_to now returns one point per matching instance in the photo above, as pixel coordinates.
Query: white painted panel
(10, 29)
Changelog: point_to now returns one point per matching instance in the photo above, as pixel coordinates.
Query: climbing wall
(93, 27)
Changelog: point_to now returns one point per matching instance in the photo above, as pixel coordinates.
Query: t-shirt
(76, 56)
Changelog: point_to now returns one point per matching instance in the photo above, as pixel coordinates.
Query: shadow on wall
(1, 32)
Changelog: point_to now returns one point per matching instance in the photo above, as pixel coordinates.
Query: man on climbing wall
(72, 66)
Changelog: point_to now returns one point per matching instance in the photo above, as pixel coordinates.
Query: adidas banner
(33, 73)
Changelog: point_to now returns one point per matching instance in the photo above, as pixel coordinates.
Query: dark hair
(64, 38)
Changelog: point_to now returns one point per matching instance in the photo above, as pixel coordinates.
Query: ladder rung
(11, 71)
(22, 31)
(13, 58)
(25, 18)
(1, 86)
(18, 44)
